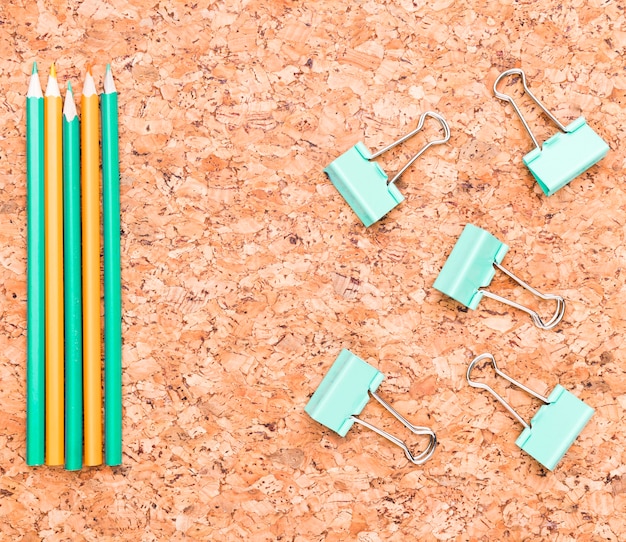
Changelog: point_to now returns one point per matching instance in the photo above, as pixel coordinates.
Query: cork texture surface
(245, 272)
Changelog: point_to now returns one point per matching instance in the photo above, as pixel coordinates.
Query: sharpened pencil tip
(109, 83)
(34, 85)
(52, 88)
(69, 107)
(89, 88)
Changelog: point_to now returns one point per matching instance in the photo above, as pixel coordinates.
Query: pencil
(90, 183)
(112, 274)
(53, 173)
(73, 294)
(35, 322)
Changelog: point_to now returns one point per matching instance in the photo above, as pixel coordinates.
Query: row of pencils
(64, 388)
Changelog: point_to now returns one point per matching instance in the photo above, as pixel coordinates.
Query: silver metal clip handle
(507, 98)
(537, 320)
(485, 387)
(446, 137)
(418, 459)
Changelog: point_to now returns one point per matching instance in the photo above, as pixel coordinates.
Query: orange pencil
(53, 178)
(90, 184)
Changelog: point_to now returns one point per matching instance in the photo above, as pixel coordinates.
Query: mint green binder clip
(363, 183)
(554, 427)
(343, 394)
(471, 267)
(566, 154)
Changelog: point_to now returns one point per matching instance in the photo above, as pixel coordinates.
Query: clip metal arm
(485, 387)
(537, 320)
(507, 98)
(423, 456)
(446, 137)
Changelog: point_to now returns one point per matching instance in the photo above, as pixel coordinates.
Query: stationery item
(53, 159)
(112, 275)
(343, 394)
(90, 183)
(73, 284)
(471, 266)
(35, 323)
(363, 183)
(554, 427)
(566, 154)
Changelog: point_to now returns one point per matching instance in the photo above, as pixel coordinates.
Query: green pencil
(73, 286)
(112, 274)
(35, 321)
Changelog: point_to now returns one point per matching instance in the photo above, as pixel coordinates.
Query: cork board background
(245, 273)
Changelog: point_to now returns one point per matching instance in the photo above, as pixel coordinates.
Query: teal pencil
(73, 286)
(35, 320)
(112, 274)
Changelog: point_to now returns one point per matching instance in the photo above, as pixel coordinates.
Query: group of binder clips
(347, 387)
(468, 270)
(367, 189)
(350, 382)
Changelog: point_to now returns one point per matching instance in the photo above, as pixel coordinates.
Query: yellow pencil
(53, 176)
(90, 183)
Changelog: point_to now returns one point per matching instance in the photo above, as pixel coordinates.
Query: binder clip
(343, 394)
(363, 183)
(554, 427)
(566, 154)
(472, 265)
